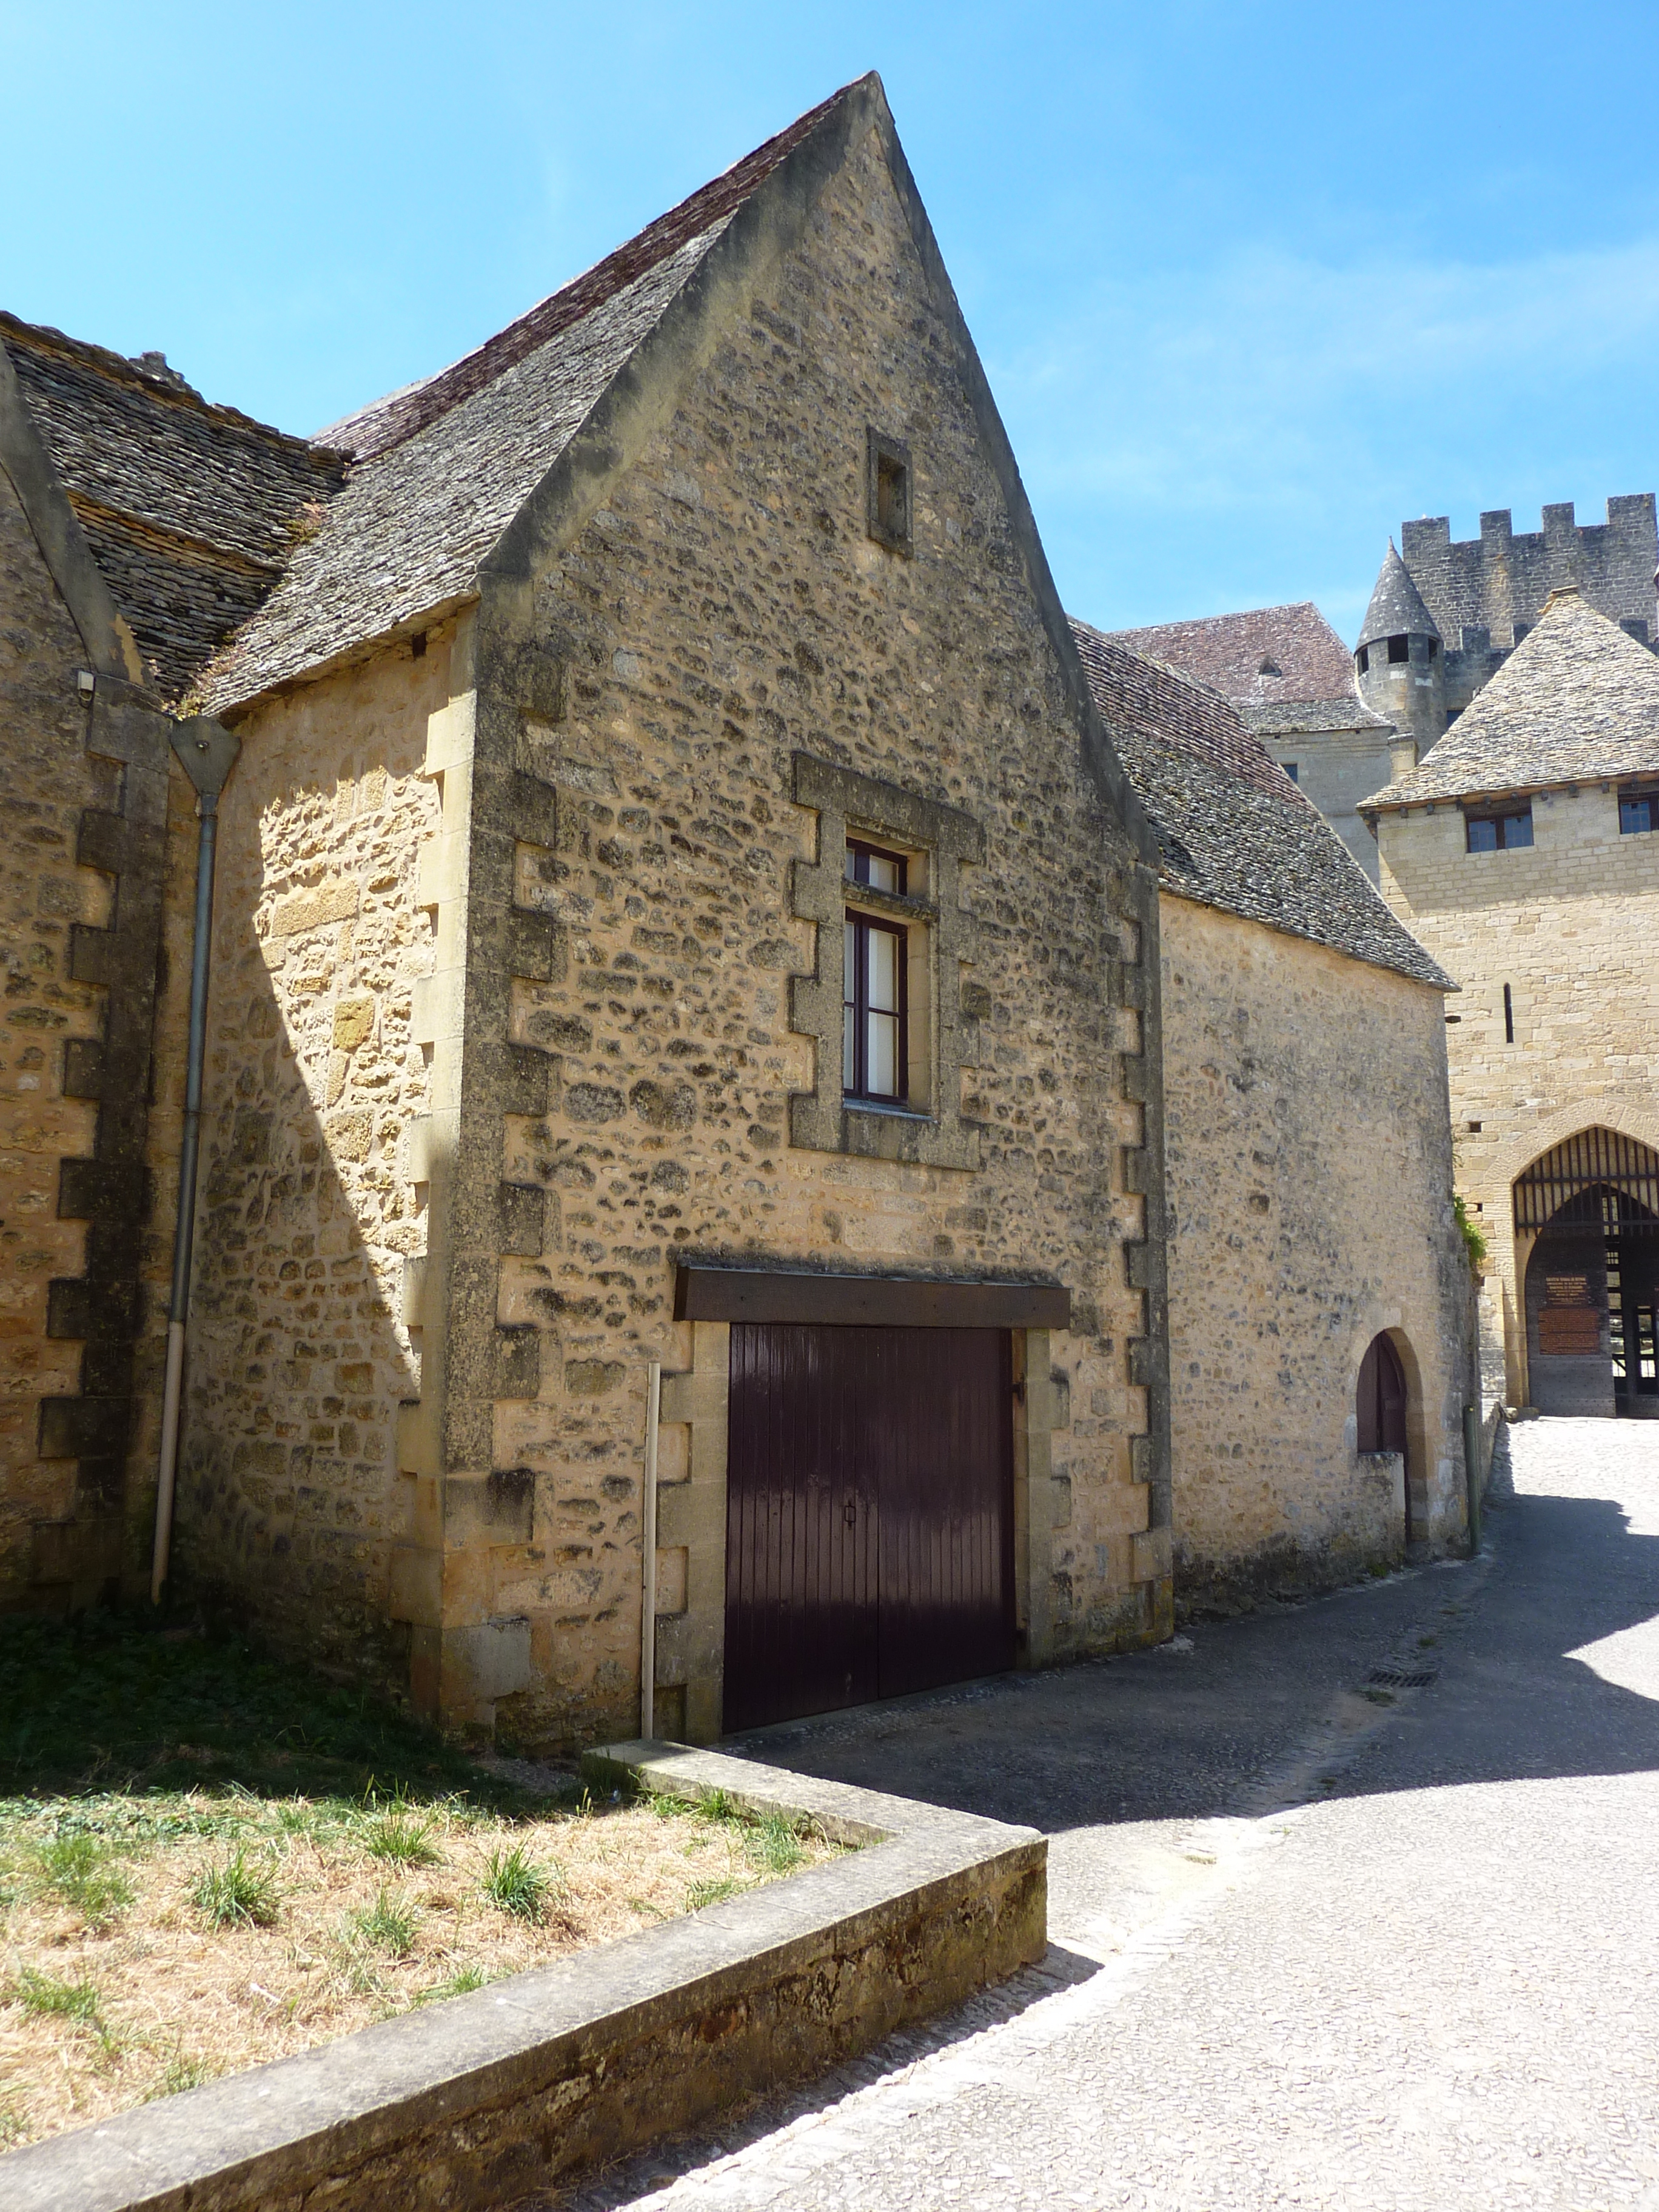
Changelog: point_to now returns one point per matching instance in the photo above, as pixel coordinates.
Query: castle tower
(1400, 665)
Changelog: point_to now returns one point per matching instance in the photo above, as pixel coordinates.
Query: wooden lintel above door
(767, 1294)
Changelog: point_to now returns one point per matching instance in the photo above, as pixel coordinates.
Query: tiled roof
(190, 510)
(1235, 831)
(1397, 606)
(1283, 668)
(441, 468)
(1576, 700)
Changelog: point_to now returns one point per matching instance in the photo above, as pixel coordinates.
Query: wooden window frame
(1639, 794)
(887, 463)
(857, 1010)
(1499, 819)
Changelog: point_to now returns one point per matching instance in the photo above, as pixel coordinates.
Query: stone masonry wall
(1568, 923)
(299, 1359)
(1310, 1179)
(634, 844)
(46, 778)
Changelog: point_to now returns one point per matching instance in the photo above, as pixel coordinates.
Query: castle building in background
(1291, 680)
(1523, 852)
(1445, 616)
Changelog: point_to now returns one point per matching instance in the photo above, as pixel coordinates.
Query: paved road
(1308, 1948)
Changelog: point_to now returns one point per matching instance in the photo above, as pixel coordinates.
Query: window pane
(883, 971)
(1483, 837)
(884, 1055)
(1635, 816)
(850, 1072)
(884, 873)
(1518, 831)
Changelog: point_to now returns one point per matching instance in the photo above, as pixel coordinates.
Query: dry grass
(150, 1942)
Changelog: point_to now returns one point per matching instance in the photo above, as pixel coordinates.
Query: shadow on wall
(290, 1494)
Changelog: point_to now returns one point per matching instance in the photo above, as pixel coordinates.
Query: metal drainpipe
(1472, 1473)
(648, 1580)
(207, 754)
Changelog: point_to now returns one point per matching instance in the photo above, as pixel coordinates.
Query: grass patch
(390, 1924)
(259, 1861)
(402, 1837)
(51, 1995)
(713, 1892)
(515, 1882)
(460, 1984)
(236, 1894)
(79, 1869)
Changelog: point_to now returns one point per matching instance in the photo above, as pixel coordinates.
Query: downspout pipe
(207, 753)
(649, 1578)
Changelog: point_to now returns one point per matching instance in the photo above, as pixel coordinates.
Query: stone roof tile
(1576, 701)
(440, 470)
(1235, 832)
(190, 510)
(1285, 662)
(1397, 606)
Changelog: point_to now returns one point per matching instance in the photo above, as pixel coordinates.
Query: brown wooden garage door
(869, 1527)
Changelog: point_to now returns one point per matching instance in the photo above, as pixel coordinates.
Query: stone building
(1291, 680)
(1445, 616)
(678, 902)
(1308, 1166)
(1523, 853)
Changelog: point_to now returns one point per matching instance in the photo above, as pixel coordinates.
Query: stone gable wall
(627, 1079)
(1309, 1177)
(1568, 923)
(299, 1359)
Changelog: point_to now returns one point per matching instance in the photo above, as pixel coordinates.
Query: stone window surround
(945, 838)
(690, 1640)
(879, 448)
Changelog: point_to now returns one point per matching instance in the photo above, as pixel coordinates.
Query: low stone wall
(524, 2083)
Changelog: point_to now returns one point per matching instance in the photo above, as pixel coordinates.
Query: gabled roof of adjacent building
(1234, 831)
(438, 471)
(1397, 607)
(1283, 668)
(1578, 701)
(190, 511)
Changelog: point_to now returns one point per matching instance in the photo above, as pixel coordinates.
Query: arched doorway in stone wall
(1383, 1409)
(1587, 1215)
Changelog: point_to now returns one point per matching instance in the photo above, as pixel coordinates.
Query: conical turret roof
(1396, 604)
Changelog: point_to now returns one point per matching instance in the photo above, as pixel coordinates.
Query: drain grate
(1404, 1678)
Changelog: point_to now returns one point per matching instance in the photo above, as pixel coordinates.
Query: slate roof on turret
(1397, 606)
(1577, 702)
(1283, 668)
(1233, 829)
(438, 471)
(190, 511)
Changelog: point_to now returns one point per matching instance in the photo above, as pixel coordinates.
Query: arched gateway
(1587, 1217)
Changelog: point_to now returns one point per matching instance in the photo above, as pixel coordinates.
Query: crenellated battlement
(1500, 582)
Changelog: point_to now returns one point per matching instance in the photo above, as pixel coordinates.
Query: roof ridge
(398, 416)
(45, 338)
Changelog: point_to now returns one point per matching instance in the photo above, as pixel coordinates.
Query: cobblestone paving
(1311, 1948)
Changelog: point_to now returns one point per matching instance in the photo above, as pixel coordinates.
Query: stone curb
(522, 2084)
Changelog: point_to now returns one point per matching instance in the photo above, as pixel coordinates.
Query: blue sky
(1251, 281)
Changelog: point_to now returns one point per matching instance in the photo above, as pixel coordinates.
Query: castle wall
(289, 1495)
(1569, 924)
(1506, 576)
(639, 995)
(1308, 1170)
(1336, 768)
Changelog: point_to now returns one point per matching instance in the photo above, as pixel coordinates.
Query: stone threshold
(522, 2085)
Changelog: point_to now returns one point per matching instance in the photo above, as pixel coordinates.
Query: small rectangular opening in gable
(889, 494)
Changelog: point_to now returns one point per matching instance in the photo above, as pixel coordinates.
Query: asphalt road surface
(1320, 1937)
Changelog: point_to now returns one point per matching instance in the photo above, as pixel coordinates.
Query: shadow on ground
(1189, 1730)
